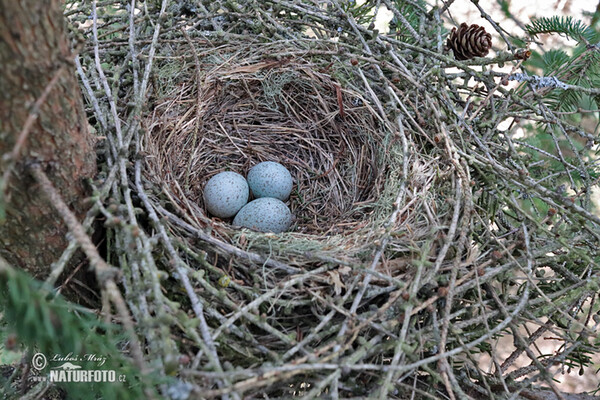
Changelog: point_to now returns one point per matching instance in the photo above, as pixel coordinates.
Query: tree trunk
(37, 80)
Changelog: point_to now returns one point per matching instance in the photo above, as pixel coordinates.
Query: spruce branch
(564, 26)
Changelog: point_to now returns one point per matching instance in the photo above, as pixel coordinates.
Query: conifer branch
(564, 26)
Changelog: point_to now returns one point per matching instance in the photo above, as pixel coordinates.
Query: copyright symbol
(38, 361)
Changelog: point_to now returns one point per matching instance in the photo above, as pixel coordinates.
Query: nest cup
(215, 116)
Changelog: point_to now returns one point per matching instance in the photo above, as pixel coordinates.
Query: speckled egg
(265, 215)
(270, 179)
(225, 194)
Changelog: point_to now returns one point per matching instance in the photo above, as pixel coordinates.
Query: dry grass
(251, 110)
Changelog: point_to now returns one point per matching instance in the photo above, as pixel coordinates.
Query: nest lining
(330, 139)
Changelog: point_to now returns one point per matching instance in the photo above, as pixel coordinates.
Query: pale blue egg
(264, 215)
(225, 194)
(270, 179)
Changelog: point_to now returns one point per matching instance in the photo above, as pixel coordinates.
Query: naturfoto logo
(70, 371)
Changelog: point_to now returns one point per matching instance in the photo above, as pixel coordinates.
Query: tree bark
(41, 116)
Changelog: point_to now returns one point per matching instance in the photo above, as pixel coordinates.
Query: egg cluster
(226, 195)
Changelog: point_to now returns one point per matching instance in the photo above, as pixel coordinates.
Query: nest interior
(224, 115)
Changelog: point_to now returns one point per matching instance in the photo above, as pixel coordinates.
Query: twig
(105, 273)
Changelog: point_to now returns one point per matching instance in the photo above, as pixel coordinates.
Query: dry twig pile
(423, 230)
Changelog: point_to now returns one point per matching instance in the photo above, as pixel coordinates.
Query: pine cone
(469, 41)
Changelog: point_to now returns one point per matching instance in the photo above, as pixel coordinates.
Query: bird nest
(221, 114)
(215, 113)
(424, 229)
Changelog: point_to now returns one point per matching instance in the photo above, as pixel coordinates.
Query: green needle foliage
(581, 68)
(564, 26)
(411, 14)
